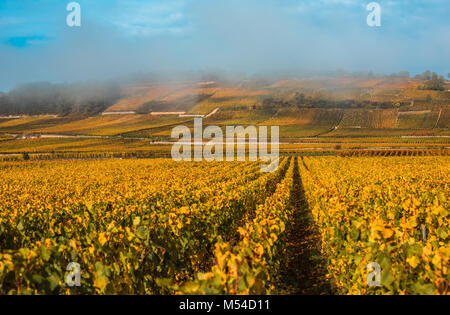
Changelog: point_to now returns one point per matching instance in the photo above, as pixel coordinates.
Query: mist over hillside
(144, 93)
(245, 37)
(59, 99)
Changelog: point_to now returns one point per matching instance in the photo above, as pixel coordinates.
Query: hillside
(302, 108)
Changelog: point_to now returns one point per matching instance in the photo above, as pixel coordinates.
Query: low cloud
(236, 36)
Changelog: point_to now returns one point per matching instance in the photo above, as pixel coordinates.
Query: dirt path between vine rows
(305, 271)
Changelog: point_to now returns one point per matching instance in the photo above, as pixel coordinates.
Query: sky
(117, 37)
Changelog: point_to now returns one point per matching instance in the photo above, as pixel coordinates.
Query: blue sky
(245, 36)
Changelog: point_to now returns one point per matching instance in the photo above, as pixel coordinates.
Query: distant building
(119, 113)
(166, 113)
(192, 115)
(28, 136)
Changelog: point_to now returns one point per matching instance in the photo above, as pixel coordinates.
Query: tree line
(59, 99)
(433, 81)
(300, 100)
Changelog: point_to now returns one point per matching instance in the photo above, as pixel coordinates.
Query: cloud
(11, 21)
(25, 41)
(245, 36)
(140, 18)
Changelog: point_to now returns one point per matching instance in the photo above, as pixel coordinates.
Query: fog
(245, 37)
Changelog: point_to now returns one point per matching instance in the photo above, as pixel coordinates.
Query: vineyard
(155, 226)
(394, 212)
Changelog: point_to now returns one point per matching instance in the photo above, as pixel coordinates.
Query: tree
(62, 99)
(434, 76)
(299, 99)
(434, 83)
(403, 74)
